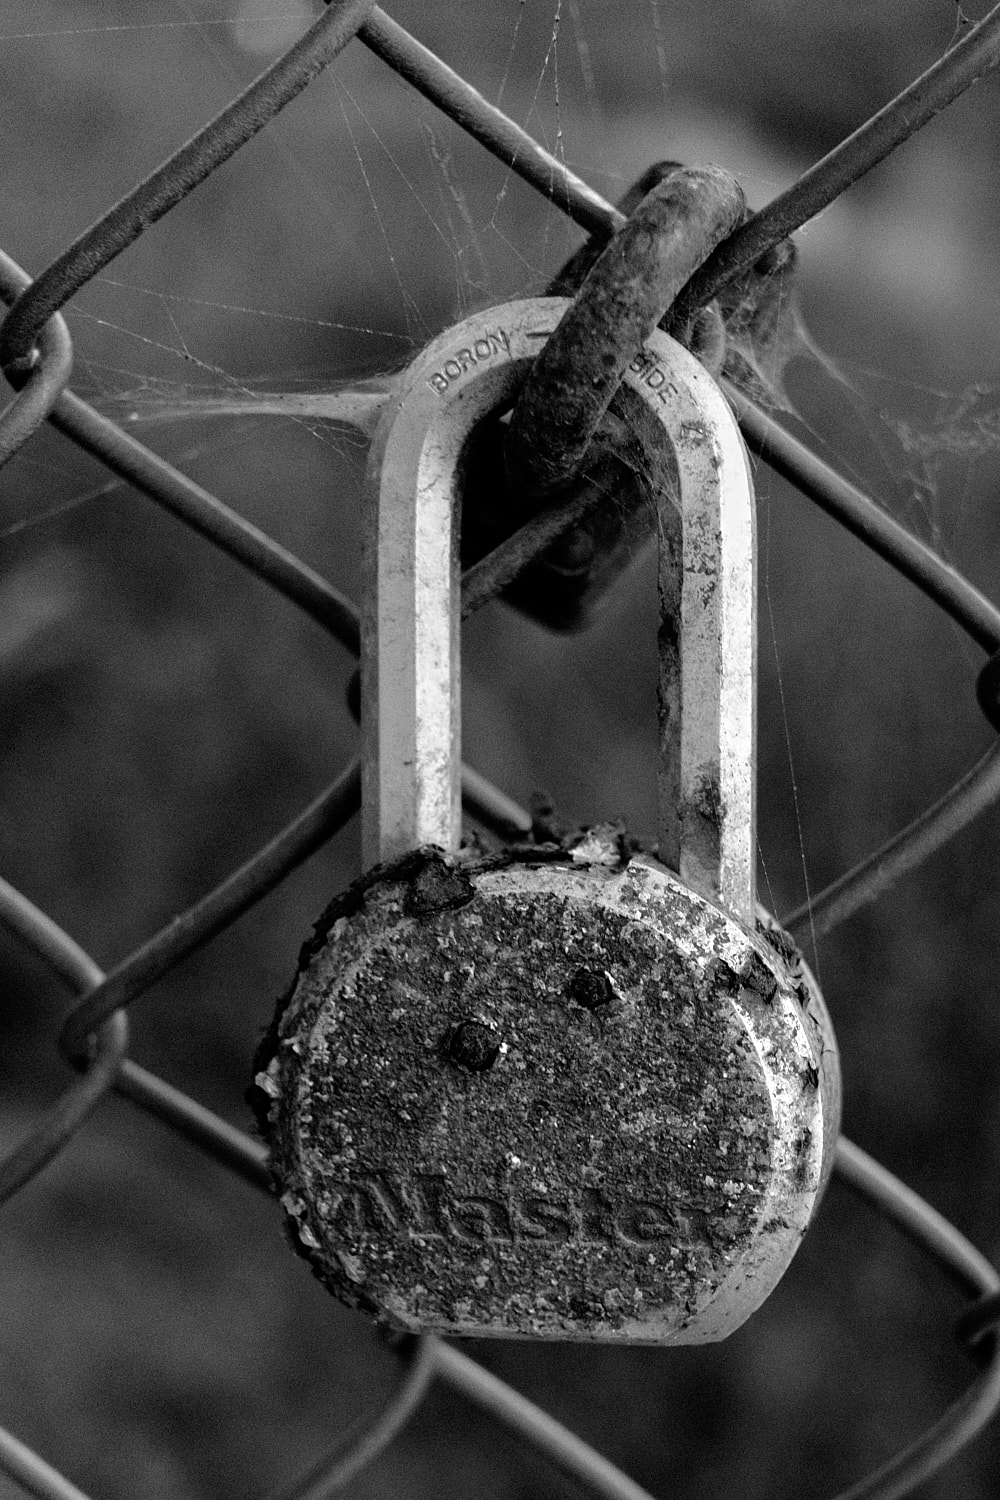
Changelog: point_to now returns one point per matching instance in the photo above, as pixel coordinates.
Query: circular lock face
(569, 1099)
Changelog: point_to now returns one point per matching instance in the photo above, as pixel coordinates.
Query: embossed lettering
(541, 1219)
(369, 1204)
(377, 1203)
(643, 1223)
(596, 1220)
(463, 360)
(480, 1219)
(426, 1198)
(652, 374)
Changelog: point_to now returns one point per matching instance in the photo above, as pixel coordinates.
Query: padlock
(559, 1092)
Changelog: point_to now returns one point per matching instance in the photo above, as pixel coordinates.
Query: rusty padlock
(558, 1092)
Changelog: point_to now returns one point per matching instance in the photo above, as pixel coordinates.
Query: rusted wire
(976, 791)
(63, 1119)
(575, 376)
(28, 1469)
(34, 317)
(957, 70)
(950, 1250)
(38, 386)
(363, 1443)
(964, 64)
(978, 616)
(217, 910)
(204, 513)
(139, 466)
(213, 1136)
(488, 125)
(220, 139)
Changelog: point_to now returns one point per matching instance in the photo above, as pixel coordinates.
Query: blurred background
(163, 713)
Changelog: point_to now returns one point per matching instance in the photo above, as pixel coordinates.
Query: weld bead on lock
(640, 1158)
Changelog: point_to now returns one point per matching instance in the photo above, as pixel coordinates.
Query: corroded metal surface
(410, 667)
(555, 1094)
(624, 295)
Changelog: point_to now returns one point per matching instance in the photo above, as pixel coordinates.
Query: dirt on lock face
(516, 1114)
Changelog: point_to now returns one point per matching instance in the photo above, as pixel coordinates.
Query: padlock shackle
(410, 621)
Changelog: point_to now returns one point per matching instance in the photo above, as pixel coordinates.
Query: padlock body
(557, 1095)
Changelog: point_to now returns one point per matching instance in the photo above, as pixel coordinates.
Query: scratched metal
(974, 54)
(624, 295)
(410, 650)
(550, 1097)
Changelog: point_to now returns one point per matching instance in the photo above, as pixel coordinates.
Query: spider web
(385, 223)
(325, 254)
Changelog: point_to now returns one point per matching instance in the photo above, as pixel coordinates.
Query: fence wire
(36, 353)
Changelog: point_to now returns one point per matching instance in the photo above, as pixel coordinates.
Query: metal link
(238, 123)
(982, 1318)
(973, 1272)
(216, 911)
(978, 790)
(988, 691)
(32, 1473)
(34, 318)
(488, 125)
(61, 1122)
(40, 383)
(621, 301)
(207, 515)
(358, 1448)
(978, 616)
(966, 63)
(204, 513)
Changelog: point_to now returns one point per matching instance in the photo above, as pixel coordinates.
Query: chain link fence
(36, 353)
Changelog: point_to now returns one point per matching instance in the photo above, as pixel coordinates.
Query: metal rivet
(591, 988)
(473, 1045)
